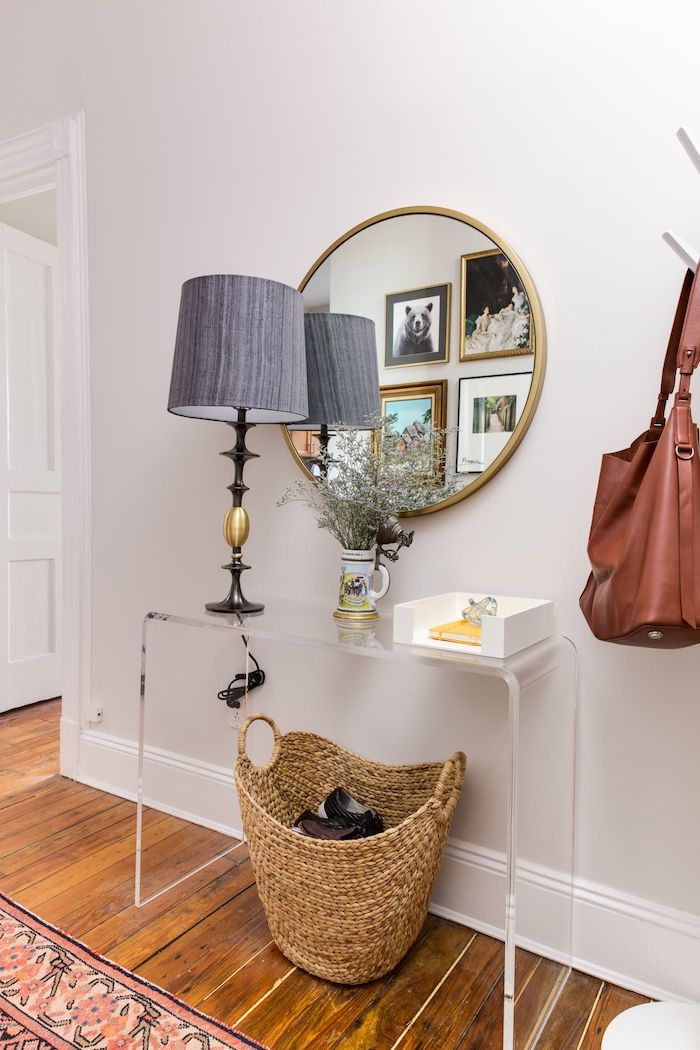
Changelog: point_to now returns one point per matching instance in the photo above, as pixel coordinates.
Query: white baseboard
(638, 944)
(200, 792)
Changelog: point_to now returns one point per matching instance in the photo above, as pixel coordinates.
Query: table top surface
(312, 624)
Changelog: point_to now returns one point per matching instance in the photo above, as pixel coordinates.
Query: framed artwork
(494, 310)
(488, 413)
(418, 407)
(418, 327)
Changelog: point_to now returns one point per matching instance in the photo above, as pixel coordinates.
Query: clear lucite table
(548, 747)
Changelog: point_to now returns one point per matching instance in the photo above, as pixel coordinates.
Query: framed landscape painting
(418, 408)
(494, 314)
(488, 413)
(418, 327)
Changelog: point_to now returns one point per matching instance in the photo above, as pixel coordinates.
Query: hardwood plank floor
(66, 852)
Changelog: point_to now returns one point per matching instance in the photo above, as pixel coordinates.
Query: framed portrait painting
(494, 313)
(418, 409)
(418, 327)
(488, 413)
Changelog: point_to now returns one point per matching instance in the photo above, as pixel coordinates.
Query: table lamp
(239, 358)
(342, 371)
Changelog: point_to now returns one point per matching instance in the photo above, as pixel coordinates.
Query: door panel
(29, 511)
(32, 600)
(28, 323)
(30, 478)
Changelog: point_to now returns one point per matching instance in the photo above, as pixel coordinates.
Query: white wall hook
(685, 252)
(686, 141)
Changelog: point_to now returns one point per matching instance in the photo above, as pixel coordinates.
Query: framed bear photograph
(418, 327)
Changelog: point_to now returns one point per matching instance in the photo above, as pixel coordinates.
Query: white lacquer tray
(519, 622)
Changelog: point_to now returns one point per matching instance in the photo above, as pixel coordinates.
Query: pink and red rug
(55, 994)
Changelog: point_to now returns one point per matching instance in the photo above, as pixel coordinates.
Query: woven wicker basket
(344, 911)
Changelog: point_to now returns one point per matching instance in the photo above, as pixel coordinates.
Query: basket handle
(450, 782)
(243, 732)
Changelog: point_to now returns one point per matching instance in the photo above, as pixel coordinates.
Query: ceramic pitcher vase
(357, 599)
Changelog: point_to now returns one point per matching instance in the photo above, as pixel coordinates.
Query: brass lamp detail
(236, 527)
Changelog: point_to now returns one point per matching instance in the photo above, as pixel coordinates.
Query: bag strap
(688, 356)
(685, 438)
(668, 374)
(685, 451)
(687, 360)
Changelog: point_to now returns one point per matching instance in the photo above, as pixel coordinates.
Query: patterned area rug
(55, 994)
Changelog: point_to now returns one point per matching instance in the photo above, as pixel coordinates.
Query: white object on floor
(655, 1026)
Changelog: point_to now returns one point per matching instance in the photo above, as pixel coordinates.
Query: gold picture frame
(498, 317)
(403, 395)
(442, 293)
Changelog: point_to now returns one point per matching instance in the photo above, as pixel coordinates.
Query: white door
(30, 477)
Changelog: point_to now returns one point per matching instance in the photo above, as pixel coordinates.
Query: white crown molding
(54, 156)
(28, 162)
(638, 944)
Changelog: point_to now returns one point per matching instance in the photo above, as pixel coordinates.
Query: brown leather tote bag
(644, 544)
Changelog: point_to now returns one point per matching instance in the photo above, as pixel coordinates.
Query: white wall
(227, 136)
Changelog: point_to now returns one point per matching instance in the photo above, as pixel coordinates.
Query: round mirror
(460, 341)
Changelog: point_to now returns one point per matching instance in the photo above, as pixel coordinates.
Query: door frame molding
(50, 157)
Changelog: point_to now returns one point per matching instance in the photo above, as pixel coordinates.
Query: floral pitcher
(356, 599)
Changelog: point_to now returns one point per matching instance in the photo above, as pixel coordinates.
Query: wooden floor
(66, 852)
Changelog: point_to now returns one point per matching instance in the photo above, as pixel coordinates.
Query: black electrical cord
(233, 694)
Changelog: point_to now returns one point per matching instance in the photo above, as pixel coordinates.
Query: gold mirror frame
(540, 340)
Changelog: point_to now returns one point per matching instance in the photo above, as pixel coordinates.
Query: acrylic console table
(537, 897)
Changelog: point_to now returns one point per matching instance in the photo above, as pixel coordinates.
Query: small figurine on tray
(466, 631)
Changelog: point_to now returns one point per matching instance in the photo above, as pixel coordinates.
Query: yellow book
(459, 631)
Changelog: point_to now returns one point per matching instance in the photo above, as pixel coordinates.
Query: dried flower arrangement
(366, 478)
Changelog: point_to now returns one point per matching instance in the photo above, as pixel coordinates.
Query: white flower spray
(370, 476)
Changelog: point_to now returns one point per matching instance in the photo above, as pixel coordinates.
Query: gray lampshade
(239, 344)
(343, 375)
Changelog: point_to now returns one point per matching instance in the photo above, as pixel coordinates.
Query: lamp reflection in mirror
(343, 377)
(417, 248)
(239, 358)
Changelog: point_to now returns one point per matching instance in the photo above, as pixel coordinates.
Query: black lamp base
(228, 606)
(235, 602)
(237, 525)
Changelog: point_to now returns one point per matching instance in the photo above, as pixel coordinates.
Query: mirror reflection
(458, 348)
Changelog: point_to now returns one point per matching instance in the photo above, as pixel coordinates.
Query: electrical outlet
(94, 714)
(235, 716)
